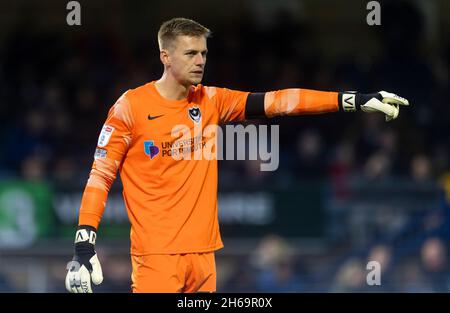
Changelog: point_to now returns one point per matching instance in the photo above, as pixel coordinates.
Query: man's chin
(196, 78)
(195, 81)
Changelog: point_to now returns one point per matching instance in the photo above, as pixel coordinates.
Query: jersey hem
(211, 249)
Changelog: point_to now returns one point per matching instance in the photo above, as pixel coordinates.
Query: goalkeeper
(172, 204)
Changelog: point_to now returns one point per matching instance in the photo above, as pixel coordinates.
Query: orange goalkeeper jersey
(171, 203)
(165, 151)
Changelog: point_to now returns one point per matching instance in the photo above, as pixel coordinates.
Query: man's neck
(171, 89)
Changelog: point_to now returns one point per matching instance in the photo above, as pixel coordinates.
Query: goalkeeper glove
(85, 265)
(385, 102)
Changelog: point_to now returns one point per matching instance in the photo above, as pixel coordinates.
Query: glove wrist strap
(85, 234)
(348, 102)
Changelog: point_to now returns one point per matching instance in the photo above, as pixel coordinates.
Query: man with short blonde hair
(172, 203)
(179, 26)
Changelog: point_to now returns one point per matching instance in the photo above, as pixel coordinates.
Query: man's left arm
(297, 101)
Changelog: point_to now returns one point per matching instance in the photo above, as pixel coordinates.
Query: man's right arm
(113, 143)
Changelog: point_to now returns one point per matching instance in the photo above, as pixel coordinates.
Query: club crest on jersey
(195, 114)
(150, 149)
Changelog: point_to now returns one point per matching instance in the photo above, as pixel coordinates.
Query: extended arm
(296, 101)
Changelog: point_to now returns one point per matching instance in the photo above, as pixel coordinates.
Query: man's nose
(199, 59)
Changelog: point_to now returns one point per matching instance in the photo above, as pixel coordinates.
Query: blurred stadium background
(350, 187)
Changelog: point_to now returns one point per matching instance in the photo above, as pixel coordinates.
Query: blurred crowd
(274, 268)
(56, 91)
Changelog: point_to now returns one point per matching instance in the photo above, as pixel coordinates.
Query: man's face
(187, 59)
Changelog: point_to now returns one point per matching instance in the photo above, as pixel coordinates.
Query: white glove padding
(389, 105)
(78, 278)
(85, 265)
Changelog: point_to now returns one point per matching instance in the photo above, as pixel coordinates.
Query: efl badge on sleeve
(105, 135)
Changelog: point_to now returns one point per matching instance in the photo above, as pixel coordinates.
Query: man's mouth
(197, 72)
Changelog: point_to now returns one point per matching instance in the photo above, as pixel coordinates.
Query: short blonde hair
(180, 26)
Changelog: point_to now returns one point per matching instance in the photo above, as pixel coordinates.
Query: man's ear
(164, 57)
